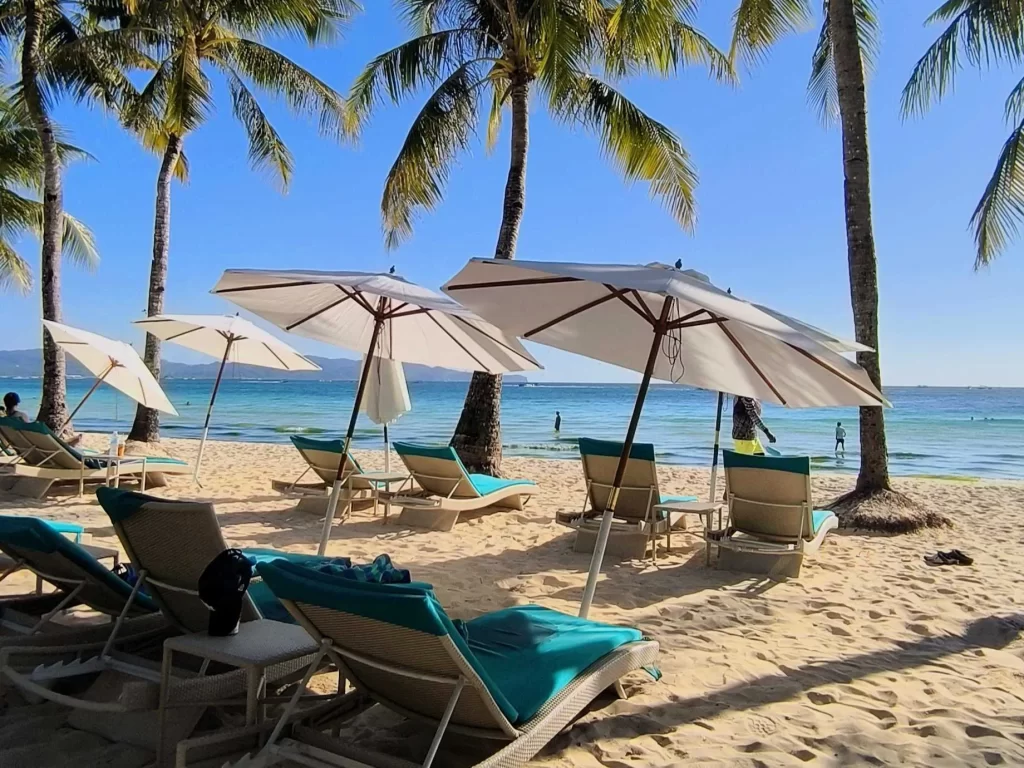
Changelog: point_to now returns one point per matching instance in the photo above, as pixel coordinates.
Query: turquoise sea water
(930, 429)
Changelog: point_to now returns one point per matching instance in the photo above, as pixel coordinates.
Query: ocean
(958, 432)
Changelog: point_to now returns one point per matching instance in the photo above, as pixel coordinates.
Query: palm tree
(63, 51)
(846, 43)
(982, 33)
(499, 52)
(188, 37)
(21, 170)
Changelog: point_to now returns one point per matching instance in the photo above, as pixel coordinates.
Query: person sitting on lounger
(11, 403)
(746, 420)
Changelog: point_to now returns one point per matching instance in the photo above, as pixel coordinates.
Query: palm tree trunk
(53, 409)
(477, 437)
(146, 427)
(874, 465)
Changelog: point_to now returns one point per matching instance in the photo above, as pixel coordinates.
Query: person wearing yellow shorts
(746, 420)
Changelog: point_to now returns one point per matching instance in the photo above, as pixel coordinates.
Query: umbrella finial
(679, 263)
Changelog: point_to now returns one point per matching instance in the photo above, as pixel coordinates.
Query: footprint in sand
(554, 581)
(980, 732)
(839, 632)
(821, 699)
(993, 758)
(762, 725)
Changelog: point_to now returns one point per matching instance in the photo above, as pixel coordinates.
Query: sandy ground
(870, 657)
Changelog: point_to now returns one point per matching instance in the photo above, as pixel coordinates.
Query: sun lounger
(397, 645)
(46, 459)
(447, 489)
(169, 543)
(637, 525)
(772, 523)
(74, 530)
(322, 458)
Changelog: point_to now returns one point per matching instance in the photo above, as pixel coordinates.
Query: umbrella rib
(510, 283)
(840, 374)
(461, 345)
(643, 305)
(244, 288)
(276, 356)
(621, 297)
(319, 312)
(499, 342)
(679, 322)
(183, 333)
(575, 311)
(408, 313)
(750, 362)
(359, 299)
(393, 310)
(695, 323)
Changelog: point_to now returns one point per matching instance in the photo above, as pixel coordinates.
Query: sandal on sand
(953, 557)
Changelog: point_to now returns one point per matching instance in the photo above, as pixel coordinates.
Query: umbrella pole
(714, 456)
(209, 410)
(660, 328)
(92, 389)
(332, 504)
(387, 450)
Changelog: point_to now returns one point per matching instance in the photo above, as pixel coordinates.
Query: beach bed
(772, 521)
(323, 457)
(447, 489)
(637, 524)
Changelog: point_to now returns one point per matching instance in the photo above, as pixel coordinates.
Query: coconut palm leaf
(440, 131)
(997, 217)
(640, 147)
(266, 147)
(823, 90)
(758, 24)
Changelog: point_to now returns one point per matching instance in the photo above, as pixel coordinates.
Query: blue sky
(770, 206)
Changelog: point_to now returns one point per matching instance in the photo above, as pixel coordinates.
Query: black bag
(222, 589)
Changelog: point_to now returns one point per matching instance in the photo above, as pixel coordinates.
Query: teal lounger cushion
(552, 648)
(31, 533)
(818, 518)
(486, 484)
(500, 647)
(61, 527)
(269, 606)
(673, 499)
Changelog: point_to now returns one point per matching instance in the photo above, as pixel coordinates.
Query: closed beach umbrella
(228, 339)
(386, 397)
(110, 361)
(665, 324)
(377, 314)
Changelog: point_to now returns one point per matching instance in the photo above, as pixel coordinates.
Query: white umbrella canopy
(712, 340)
(110, 361)
(377, 314)
(666, 324)
(342, 309)
(386, 397)
(229, 339)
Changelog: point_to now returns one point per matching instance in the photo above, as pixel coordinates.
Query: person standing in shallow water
(746, 420)
(840, 439)
(558, 421)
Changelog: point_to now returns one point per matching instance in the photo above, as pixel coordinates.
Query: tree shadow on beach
(993, 632)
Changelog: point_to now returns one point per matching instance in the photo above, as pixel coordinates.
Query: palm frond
(758, 24)
(267, 149)
(318, 21)
(424, 60)
(440, 131)
(1014, 109)
(642, 148)
(1001, 208)
(823, 87)
(500, 89)
(188, 99)
(982, 32)
(304, 93)
(79, 244)
(15, 272)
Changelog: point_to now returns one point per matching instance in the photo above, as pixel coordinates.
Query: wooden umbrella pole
(332, 504)
(714, 456)
(209, 409)
(660, 329)
(92, 389)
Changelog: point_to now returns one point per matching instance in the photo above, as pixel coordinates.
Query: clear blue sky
(770, 222)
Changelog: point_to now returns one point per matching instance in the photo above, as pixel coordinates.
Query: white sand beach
(871, 657)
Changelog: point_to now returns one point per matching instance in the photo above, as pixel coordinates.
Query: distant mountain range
(28, 363)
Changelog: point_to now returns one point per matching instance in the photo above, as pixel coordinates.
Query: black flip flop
(940, 558)
(961, 558)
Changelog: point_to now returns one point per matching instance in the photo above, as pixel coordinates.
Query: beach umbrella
(110, 361)
(386, 397)
(825, 338)
(228, 339)
(377, 314)
(666, 325)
